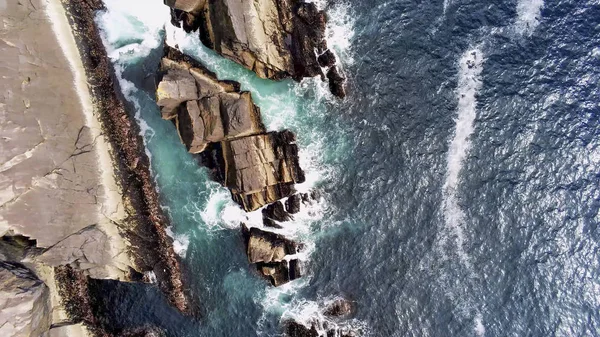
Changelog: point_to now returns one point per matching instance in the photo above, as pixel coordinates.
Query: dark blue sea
(460, 178)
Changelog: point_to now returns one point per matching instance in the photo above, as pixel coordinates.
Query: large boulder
(176, 87)
(269, 251)
(261, 169)
(267, 247)
(274, 38)
(24, 302)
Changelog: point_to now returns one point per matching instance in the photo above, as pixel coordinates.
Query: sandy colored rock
(207, 110)
(176, 87)
(261, 169)
(274, 38)
(24, 302)
(190, 126)
(56, 174)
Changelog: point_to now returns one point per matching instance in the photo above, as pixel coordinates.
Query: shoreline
(103, 150)
(125, 164)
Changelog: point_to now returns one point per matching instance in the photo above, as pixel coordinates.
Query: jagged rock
(327, 59)
(24, 302)
(261, 169)
(292, 204)
(336, 82)
(268, 250)
(176, 87)
(295, 329)
(274, 38)
(240, 116)
(204, 109)
(339, 308)
(268, 247)
(16, 247)
(275, 213)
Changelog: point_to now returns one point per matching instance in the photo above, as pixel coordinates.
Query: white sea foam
(528, 16)
(478, 327)
(339, 32)
(181, 242)
(446, 4)
(310, 313)
(151, 276)
(469, 83)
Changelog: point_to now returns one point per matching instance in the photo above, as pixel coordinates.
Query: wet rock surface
(274, 38)
(258, 167)
(339, 308)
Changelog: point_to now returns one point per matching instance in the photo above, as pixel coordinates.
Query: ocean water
(460, 177)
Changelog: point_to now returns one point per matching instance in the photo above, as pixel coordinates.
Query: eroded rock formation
(274, 38)
(24, 302)
(258, 167)
(269, 251)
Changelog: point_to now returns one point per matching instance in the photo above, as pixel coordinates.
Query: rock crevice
(274, 38)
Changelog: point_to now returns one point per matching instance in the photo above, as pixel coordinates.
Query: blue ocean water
(460, 177)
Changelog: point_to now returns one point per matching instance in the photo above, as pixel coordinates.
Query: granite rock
(24, 302)
(274, 38)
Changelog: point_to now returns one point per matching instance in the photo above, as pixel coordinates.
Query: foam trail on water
(469, 83)
(528, 16)
(478, 327)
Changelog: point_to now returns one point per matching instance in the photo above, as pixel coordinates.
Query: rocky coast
(77, 197)
(78, 202)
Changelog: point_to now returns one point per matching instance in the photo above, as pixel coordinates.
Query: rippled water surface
(460, 176)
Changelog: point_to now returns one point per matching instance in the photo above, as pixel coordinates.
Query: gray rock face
(274, 38)
(24, 302)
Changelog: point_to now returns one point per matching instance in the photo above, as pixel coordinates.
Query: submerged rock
(24, 302)
(339, 308)
(274, 38)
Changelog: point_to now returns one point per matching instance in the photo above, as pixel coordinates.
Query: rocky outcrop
(339, 308)
(269, 251)
(274, 38)
(261, 169)
(204, 109)
(295, 329)
(24, 302)
(329, 322)
(258, 167)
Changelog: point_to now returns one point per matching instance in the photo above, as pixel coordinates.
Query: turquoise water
(205, 222)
